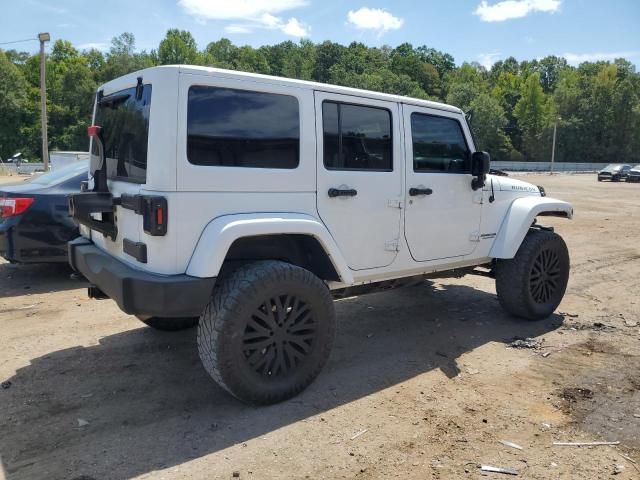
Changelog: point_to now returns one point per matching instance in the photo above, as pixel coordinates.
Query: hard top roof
(197, 70)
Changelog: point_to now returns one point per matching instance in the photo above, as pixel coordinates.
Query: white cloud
(509, 9)
(237, 9)
(577, 58)
(488, 59)
(237, 28)
(253, 14)
(296, 29)
(374, 19)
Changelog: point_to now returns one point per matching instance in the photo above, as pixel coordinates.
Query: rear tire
(169, 324)
(531, 285)
(267, 332)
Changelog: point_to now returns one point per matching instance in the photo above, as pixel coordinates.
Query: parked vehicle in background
(35, 225)
(634, 174)
(614, 172)
(244, 203)
(16, 158)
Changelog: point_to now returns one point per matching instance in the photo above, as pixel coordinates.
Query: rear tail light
(93, 130)
(10, 207)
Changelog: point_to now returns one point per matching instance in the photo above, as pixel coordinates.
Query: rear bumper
(137, 292)
(21, 244)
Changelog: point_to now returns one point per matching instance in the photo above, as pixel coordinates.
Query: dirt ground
(421, 384)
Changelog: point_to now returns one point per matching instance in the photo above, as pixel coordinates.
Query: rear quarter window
(241, 128)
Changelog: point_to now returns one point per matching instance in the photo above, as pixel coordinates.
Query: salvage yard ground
(422, 382)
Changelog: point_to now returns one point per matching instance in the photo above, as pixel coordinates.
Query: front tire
(267, 332)
(531, 285)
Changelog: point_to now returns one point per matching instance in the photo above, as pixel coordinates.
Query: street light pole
(44, 37)
(553, 149)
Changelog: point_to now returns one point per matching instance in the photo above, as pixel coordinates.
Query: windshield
(61, 174)
(613, 166)
(125, 130)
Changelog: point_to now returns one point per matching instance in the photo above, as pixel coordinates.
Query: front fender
(519, 218)
(220, 233)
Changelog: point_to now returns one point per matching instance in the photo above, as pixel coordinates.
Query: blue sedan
(35, 225)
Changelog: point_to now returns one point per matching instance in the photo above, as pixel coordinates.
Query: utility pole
(553, 148)
(44, 37)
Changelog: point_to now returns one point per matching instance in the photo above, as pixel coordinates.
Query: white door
(443, 212)
(360, 168)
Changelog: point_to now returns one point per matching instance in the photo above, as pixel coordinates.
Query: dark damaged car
(614, 172)
(35, 225)
(634, 174)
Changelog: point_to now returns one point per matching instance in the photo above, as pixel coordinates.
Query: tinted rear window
(356, 137)
(125, 133)
(240, 128)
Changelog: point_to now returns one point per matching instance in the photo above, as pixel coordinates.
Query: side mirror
(480, 165)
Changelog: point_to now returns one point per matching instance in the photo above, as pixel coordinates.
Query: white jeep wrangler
(245, 203)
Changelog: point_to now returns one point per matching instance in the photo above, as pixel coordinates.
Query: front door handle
(342, 192)
(414, 192)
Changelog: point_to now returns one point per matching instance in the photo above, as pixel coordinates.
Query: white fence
(24, 168)
(546, 166)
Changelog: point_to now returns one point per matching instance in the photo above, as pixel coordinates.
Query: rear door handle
(414, 192)
(342, 192)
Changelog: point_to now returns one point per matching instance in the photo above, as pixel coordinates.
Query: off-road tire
(238, 315)
(531, 285)
(169, 324)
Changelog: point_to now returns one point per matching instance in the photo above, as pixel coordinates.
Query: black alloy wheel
(267, 331)
(544, 279)
(531, 285)
(279, 335)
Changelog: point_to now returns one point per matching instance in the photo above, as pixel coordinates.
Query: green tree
(13, 107)
(177, 47)
(514, 106)
(488, 121)
(122, 58)
(532, 111)
(221, 54)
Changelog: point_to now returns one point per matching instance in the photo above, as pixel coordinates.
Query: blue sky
(471, 30)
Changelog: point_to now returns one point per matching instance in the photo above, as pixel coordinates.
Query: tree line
(512, 107)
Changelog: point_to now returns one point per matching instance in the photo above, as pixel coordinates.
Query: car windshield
(124, 118)
(613, 166)
(61, 174)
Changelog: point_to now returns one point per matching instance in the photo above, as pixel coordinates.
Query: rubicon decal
(524, 188)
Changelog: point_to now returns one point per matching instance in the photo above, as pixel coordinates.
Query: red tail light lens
(93, 130)
(10, 207)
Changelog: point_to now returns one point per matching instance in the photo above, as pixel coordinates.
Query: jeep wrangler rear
(244, 204)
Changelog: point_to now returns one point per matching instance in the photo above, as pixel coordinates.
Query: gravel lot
(421, 384)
